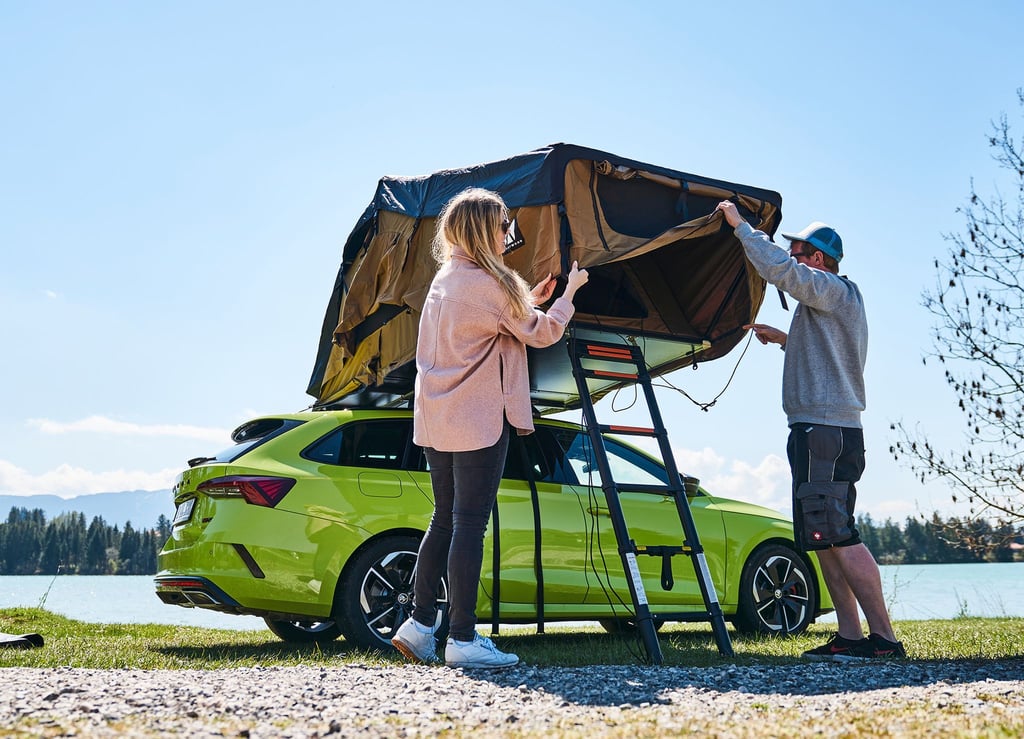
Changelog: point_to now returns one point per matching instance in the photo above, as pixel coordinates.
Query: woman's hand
(577, 279)
(542, 291)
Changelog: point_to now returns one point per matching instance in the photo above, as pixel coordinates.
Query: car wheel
(304, 632)
(777, 593)
(374, 596)
(625, 625)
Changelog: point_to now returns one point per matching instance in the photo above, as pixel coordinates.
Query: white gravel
(967, 698)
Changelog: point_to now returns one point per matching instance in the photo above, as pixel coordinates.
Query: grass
(71, 643)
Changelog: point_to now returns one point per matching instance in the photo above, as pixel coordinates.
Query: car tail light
(258, 490)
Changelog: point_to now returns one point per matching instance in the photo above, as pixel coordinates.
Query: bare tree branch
(978, 338)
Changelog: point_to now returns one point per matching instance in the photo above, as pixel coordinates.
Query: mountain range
(141, 507)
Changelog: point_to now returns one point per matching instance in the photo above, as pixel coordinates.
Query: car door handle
(598, 511)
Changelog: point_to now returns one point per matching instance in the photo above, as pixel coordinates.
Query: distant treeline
(29, 545)
(941, 541)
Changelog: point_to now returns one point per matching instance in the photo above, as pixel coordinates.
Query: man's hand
(732, 215)
(542, 291)
(767, 334)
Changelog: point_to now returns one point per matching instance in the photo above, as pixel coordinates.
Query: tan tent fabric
(662, 266)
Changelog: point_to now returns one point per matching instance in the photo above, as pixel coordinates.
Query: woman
(472, 386)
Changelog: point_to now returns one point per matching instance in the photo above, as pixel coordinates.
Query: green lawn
(72, 643)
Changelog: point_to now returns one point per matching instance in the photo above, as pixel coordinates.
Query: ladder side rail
(692, 542)
(627, 549)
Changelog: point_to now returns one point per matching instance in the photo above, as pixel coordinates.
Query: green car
(312, 521)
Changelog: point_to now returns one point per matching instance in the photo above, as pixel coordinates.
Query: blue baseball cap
(820, 236)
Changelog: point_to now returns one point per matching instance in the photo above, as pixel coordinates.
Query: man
(823, 396)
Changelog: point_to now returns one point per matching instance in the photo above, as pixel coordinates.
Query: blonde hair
(470, 220)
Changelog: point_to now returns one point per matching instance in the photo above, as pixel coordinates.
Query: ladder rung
(604, 351)
(632, 430)
(625, 487)
(614, 375)
(661, 551)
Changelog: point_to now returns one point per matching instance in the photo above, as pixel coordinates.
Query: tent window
(644, 208)
(638, 206)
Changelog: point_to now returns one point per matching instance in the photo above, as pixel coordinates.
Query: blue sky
(177, 181)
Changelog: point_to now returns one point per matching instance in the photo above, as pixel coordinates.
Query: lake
(913, 593)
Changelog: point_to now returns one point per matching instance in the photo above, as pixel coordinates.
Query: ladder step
(608, 373)
(629, 430)
(625, 487)
(607, 351)
(661, 551)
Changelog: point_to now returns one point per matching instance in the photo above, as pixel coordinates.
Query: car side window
(381, 444)
(542, 453)
(627, 466)
(630, 467)
(555, 441)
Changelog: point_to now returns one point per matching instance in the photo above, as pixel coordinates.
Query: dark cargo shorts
(825, 461)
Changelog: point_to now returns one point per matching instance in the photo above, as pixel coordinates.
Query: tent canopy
(665, 269)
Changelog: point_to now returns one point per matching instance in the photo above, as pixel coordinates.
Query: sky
(177, 181)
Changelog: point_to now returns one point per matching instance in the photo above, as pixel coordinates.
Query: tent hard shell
(666, 271)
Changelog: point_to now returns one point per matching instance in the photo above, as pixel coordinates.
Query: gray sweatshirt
(823, 375)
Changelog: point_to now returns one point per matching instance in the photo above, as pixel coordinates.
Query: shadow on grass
(635, 685)
(561, 648)
(262, 652)
(598, 669)
(582, 648)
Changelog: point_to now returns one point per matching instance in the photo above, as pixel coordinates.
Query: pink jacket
(471, 359)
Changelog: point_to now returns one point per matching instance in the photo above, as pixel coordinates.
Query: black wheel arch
(346, 568)
(348, 618)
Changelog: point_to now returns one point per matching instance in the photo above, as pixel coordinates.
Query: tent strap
(538, 560)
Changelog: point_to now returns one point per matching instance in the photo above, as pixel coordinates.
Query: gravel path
(892, 699)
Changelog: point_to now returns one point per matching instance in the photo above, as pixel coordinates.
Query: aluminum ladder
(583, 351)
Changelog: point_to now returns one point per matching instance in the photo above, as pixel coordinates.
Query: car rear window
(250, 435)
(383, 444)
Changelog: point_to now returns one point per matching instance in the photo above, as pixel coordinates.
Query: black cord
(705, 406)
(635, 649)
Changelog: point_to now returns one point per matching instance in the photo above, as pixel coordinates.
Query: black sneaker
(874, 647)
(832, 650)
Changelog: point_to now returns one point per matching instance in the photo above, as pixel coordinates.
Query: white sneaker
(415, 643)
(480, 652)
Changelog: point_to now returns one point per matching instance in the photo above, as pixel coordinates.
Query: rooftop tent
(665, 269)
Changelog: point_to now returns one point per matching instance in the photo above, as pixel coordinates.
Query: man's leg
(858, 572)
(843, 597)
